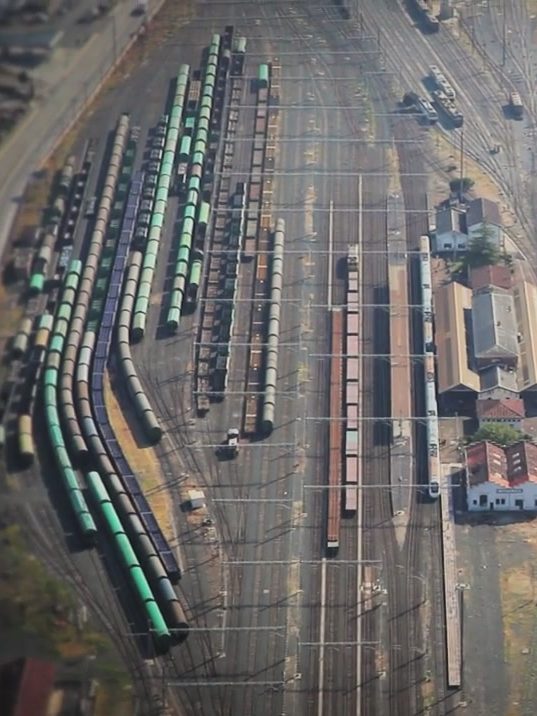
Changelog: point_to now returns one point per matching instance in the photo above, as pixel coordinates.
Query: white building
(450, 234)
(484, 213)
(502, 479)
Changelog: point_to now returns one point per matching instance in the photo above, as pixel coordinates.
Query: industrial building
(458, 224)
(486, 340)
(502, 479)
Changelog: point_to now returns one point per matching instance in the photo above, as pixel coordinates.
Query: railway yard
(219, 417)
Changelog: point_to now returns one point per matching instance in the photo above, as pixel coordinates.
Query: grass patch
(143, 461)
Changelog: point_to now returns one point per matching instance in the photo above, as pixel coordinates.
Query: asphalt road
(37, 134)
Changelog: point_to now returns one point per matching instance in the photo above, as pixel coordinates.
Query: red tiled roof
(490, 276)
(507, 467)
(506, 408)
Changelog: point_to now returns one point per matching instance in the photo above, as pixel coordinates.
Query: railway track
(42, 529)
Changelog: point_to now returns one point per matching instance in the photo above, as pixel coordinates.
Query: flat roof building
(453, 303)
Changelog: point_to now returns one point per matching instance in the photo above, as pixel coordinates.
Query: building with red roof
(497, 275)
(501, 478)
(509, 411)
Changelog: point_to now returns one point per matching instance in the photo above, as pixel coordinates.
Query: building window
(482, 500)
(498, 500)
(474, 502)
(503, 500)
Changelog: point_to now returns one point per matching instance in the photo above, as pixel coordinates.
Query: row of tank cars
(95, 305)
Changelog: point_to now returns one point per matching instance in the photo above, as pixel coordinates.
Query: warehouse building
(453, 325)
(525, 302)
(502, 479)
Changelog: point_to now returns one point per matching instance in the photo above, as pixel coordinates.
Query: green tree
(482, 251)
(455, 185)
(499, 433)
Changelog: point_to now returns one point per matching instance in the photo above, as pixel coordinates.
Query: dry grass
(519, 599)
(143, 461)
(448, 168)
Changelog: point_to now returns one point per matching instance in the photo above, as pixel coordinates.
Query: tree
(482, 251)
(499, 433)
(455, 185)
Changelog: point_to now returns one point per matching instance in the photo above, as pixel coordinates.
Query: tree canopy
(455, 185)
(499, 433)
(481, 250)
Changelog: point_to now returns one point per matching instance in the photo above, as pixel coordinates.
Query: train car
(335, 436)
(422, 105)
(441, 82)
(449, 108)
(515, 103)
(194, 278)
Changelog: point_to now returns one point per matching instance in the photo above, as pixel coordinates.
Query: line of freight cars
(273, 330)
(191, 208)
(219, 280)
(194, 159)
(79, 316)
(344, 390)
(335, 433)
(55, 215)
(164, 183)
(62, 218)
(258, 230)
(431, 406)
(352, 388)
(83, 516)
(123, 495)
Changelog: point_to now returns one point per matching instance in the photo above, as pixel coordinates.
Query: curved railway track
(42, 529)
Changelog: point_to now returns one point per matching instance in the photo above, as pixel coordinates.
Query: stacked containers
(164, 181)
(271, 363)
(201, 139)
(52, 366)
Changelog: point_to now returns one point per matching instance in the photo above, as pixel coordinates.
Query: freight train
(431, 406)
(424, 15)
